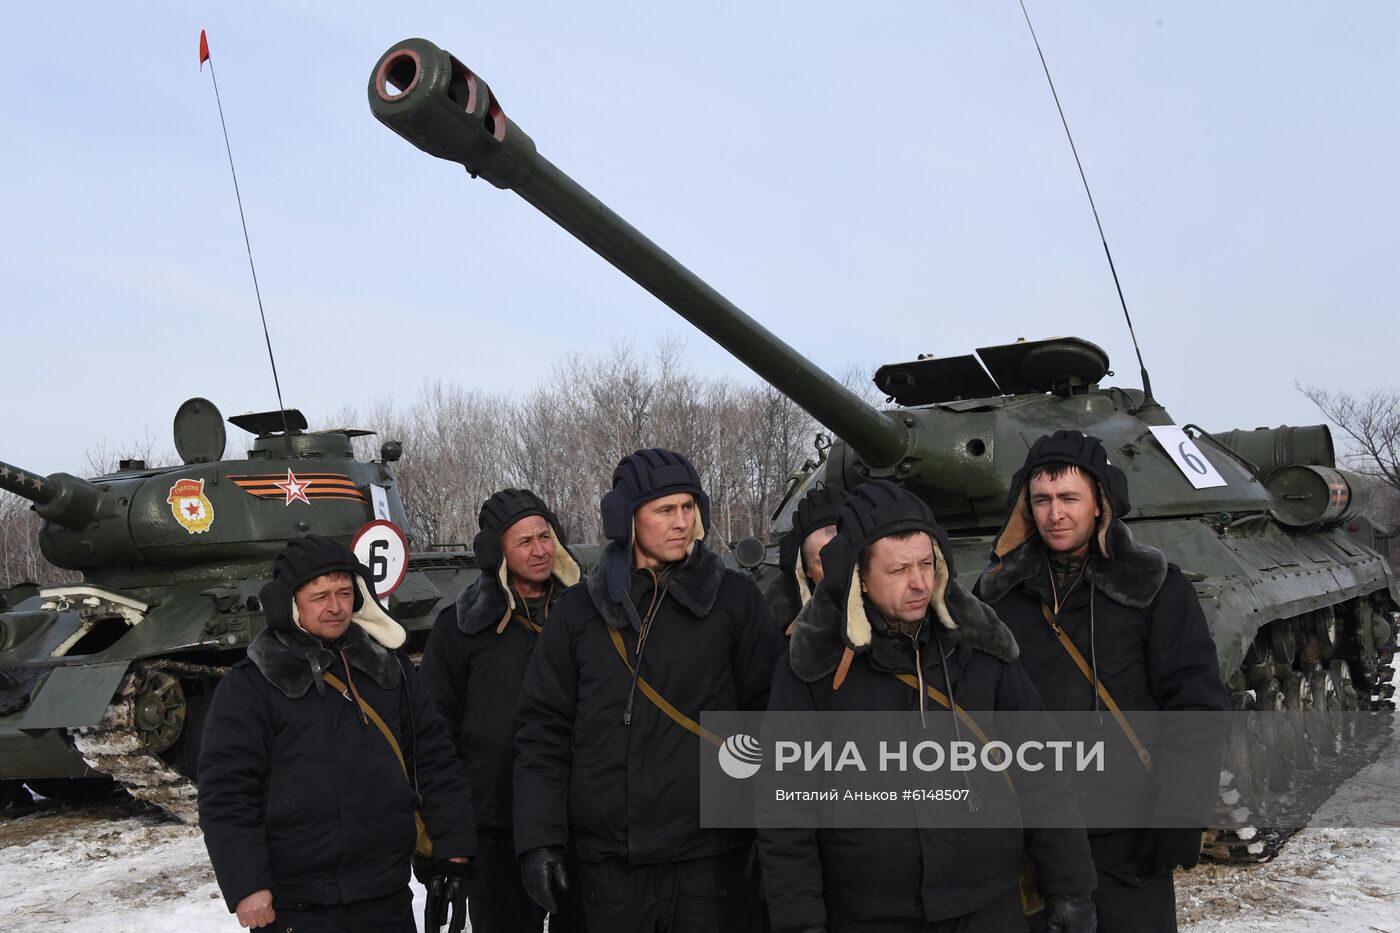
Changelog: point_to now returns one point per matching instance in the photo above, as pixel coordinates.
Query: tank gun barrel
(66, 500)
(432, 100)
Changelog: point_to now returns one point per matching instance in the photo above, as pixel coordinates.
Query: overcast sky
(870, 182)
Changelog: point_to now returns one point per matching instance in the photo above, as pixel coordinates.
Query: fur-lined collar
(693, 582)
(294, 661)
(489, 599)
(819, 635)
(1131, 577)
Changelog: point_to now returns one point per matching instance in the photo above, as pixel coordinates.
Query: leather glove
(541, 870)
(1070, 913)
(446, 885)
(1174, 847)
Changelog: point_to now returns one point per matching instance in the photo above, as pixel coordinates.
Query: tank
(1301, 608)
(110, 678)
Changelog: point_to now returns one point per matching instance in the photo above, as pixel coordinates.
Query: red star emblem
(294, 488)
(194, 509)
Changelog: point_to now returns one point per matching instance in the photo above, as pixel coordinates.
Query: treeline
(562, 439)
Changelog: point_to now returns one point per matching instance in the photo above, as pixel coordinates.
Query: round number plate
(382, 547)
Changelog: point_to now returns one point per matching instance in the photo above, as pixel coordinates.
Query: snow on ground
(121, 867)
(113, 868)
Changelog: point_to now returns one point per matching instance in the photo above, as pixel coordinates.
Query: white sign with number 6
(382, 547)
(1188, 457)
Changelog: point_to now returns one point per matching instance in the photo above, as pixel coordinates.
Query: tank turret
(1301, 611)
(110, 676)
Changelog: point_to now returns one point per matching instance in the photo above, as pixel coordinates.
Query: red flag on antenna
(203, 49)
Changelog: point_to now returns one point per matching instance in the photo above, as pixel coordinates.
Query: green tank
(109, 678)
(1301, 608)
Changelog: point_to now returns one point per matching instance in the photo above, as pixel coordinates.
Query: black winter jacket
(925, 874)
(633, 791)
(1151, 646)
(475, 673)
(298, 795)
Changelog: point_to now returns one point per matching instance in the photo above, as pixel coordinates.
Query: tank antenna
(1147, 400)
(204, 56)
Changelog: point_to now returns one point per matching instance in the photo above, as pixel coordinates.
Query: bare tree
(105, 457)
(1371, 424)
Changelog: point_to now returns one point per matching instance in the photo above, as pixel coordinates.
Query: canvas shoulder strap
(1029, 880)
(424, 845)
(1143, 754)
(339, 686)
(660, 702)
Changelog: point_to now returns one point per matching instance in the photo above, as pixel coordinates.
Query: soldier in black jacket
(307, 810)
(473, 666)
(1065, 562)
(659, 632)
(890, 605)
(799, 553)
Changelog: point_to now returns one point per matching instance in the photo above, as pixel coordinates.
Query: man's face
(324, 605)
(898, 577)
(663, 528)
(529, 549)
(1066, 512)
(812, 551)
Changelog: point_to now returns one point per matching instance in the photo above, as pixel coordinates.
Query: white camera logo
(741, 756)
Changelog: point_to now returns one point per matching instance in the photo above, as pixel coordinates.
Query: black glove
(1070, 913)
(1176, 847)
(541, 870)
(446, 885)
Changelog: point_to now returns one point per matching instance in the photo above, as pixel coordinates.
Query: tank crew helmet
(638, 479)
(817, 509)
(303, 560)
(876, 510)
(498, 513)
(1064, 448)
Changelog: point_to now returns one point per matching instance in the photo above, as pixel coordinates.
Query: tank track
(115, 747)
(1253, 845)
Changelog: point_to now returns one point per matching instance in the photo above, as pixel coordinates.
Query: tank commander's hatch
(199, 432)
(263, 423)
(1059, 364)
(1043, 365)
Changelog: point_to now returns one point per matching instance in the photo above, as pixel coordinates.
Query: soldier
(799, 553)
(1134, 638)
(659, 631)
(890, 607)
(473, 666)
(307, 794)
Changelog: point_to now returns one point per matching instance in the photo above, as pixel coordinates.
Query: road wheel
(1283, 640)
(160, 710)
(1325, 722)
(1277, 736)
(1297, 700)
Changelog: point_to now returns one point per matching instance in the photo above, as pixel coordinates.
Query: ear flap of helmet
(616, 508)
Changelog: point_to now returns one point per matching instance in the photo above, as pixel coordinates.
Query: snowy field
(119, 867)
